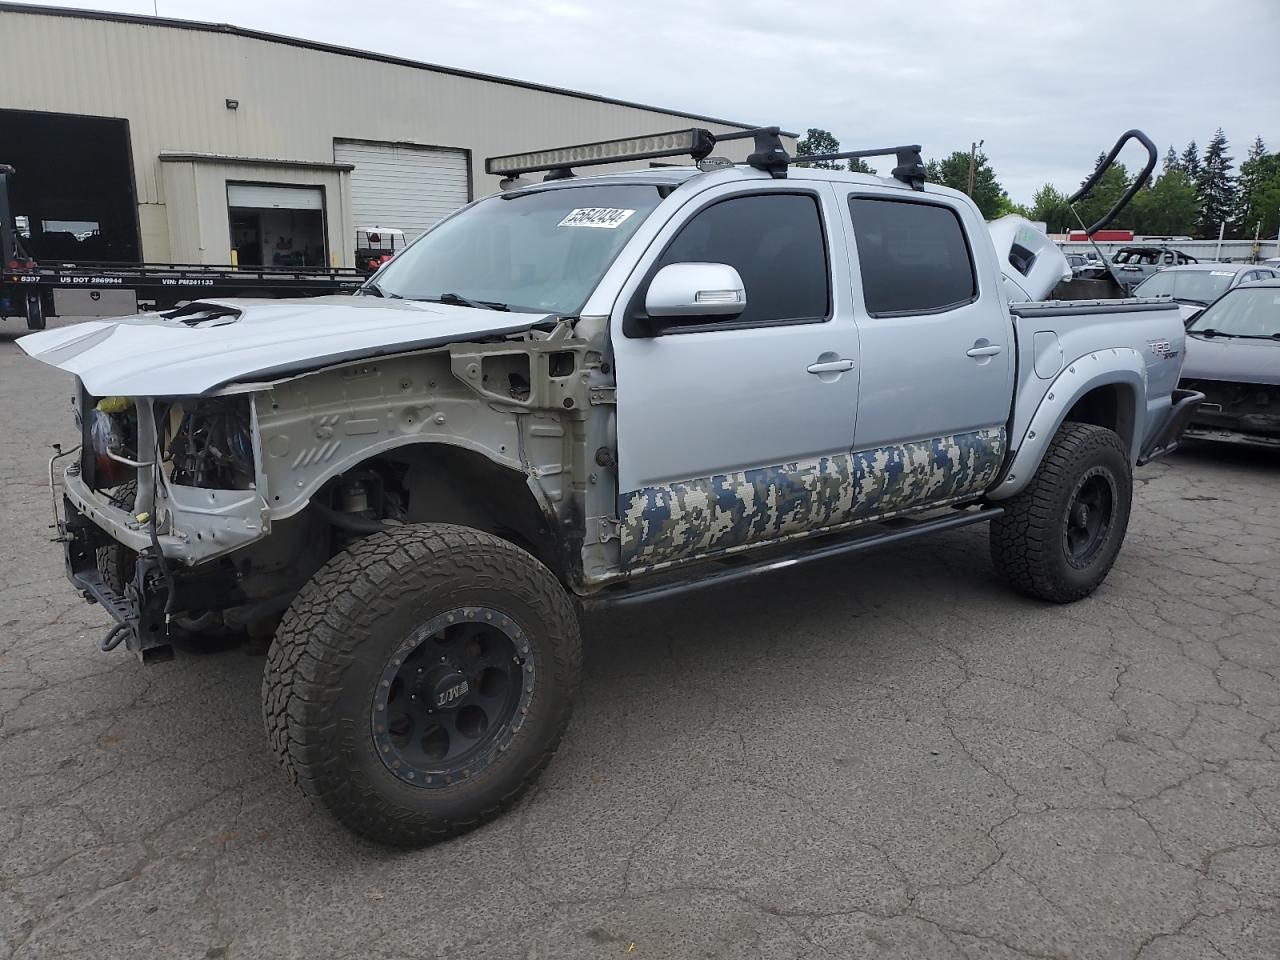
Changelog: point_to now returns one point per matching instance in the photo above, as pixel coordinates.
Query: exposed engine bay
(205, 443)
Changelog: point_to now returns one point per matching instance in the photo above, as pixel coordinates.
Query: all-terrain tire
(1029, 544)
(348, 623)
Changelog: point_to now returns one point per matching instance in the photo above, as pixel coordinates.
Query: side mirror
(696, 290)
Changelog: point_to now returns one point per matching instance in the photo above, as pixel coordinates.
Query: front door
(737, 431)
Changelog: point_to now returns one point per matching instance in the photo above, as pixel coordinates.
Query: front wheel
(421, 681)
(1059, 537)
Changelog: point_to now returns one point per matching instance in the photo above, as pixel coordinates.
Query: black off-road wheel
(421, 680)
(1059, 537)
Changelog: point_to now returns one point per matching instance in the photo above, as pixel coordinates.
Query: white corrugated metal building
(140, 138)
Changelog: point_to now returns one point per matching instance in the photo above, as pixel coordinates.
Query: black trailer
(40, 289)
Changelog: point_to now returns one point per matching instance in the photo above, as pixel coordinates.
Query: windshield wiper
(1243, 336)
(372, 289)
(1211, 333)
(457, 299)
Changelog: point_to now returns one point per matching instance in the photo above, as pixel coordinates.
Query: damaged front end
(161, 488)
(1243, 413)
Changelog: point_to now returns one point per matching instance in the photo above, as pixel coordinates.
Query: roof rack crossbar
(910, 169)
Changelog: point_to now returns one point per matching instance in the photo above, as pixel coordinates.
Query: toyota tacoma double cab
(579, 391)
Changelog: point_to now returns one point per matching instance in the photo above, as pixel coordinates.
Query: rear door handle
(990, 350)
(830, 366)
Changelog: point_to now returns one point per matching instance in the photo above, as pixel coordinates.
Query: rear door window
(914, 257)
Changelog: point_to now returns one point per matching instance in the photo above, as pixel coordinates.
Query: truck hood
(205, 345)
(1235, 361)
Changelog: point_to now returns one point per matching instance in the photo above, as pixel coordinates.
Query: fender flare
(1113, 366)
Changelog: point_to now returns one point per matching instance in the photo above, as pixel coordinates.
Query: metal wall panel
(293, 101)
(403, 186)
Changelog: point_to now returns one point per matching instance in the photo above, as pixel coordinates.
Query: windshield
(1198, 286)
(541, 251)
(1245, 312)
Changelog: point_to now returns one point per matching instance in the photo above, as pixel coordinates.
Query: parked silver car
(1195, 285)
(1132, 265)
(1233, 358)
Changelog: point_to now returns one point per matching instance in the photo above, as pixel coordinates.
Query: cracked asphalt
(891, 756)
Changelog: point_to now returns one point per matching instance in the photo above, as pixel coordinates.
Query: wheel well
(1110, 406)
(447, 484)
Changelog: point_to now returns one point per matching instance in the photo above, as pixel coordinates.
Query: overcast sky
(1047, 85)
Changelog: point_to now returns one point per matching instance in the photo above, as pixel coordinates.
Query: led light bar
(694, 142)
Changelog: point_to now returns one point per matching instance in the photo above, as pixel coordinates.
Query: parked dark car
(1233, 358)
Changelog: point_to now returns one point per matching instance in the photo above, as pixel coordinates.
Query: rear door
(936, 345)
(729, 431)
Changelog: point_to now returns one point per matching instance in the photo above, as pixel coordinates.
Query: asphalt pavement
(889, 756)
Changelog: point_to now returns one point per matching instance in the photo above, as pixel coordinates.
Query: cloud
(1047, 85)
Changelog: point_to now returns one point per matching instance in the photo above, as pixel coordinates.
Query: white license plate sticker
(606, 218)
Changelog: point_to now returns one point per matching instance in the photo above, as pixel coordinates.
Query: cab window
(913, 256)
(775, 241)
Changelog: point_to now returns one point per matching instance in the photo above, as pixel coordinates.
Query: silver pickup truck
(578, 391)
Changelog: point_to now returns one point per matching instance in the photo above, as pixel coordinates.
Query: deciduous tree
(1169, 208)
(953, 171)
(1050, 206)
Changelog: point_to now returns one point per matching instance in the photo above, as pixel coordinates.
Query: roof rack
(768, 155)
(910, 169)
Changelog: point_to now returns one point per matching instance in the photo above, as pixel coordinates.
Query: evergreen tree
(1215, 186)
(1096, 164)
(1259, 192)
(1252, 172)
(1171, 161)
(1103, 197)
(1190, 162)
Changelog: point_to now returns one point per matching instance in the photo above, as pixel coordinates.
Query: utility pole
(973, 157)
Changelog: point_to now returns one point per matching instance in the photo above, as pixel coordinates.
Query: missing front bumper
(139, 614)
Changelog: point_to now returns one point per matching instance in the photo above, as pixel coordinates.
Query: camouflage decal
(693, 518)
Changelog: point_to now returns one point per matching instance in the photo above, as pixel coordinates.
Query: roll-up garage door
(403, 186)
(264, 196)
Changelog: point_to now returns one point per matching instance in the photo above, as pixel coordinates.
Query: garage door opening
(277, 226)
(73, 194)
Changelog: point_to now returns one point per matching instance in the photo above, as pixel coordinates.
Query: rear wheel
(421, 681)
(1058, 538)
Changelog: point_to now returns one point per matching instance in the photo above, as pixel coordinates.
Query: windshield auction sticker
(607, 218)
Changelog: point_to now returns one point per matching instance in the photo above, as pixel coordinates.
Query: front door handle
(830, 366)
(983, 349)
